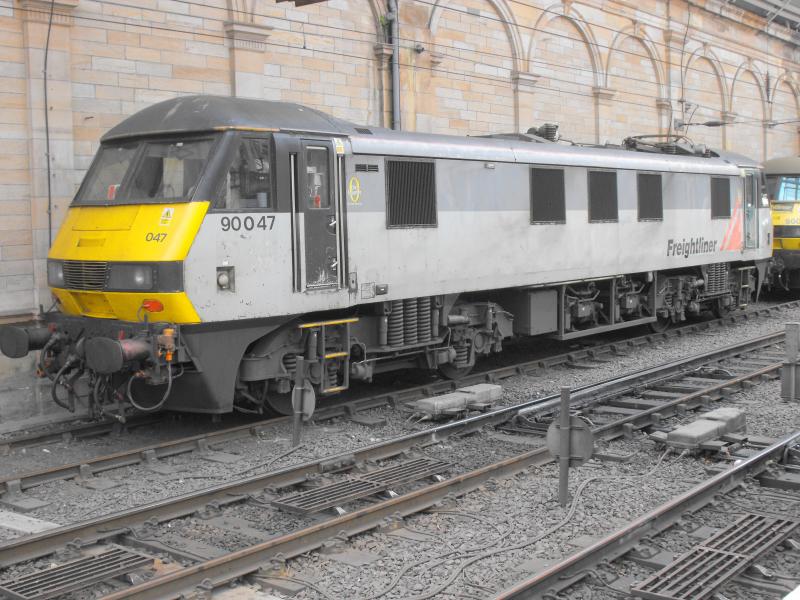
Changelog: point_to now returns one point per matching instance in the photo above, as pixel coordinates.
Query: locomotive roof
(785, 165)
(209, 113)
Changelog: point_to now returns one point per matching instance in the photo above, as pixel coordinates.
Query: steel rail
(654, 522)
(220, 571)
(154, 452)
(70, 430)
(9, 441)
(41, 544)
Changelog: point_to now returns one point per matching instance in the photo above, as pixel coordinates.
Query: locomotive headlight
(55, 273)
(145, 277)
(130, 277)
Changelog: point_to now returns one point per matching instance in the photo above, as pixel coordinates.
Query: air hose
(54, 390)
(156, 406)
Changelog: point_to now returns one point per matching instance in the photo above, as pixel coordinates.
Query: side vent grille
(410, 193)
(603, 196)
(85, 274)
(362, 168)
(717, 278)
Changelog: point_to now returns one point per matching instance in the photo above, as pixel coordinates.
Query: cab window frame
(231, 155)
(330, 152)
(780, 182)
(139, 156)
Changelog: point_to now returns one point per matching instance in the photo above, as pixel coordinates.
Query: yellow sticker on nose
(166, 215)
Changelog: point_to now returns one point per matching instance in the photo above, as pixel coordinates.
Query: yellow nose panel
(126, 306)
(105, 218)
(141, 233)
(145, 232)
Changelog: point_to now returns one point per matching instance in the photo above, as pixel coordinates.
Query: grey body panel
(504, 150)
(483, 239)
(216, 353)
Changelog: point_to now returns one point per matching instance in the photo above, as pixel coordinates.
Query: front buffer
(147, 365)
(108, 362)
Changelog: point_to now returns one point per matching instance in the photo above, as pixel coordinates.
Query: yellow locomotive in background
(783, 189)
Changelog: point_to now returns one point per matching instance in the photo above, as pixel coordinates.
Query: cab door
(750, 210)
(316, 202)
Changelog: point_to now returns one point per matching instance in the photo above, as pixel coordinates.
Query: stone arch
(783, 138)
(758, 76)
(635, 86)
(378, 10)
(569, 13)
(504, 12)
(557, 91)
(747, 133)
(787, 80)
(634, 31)
(469, 87)
(705, 87)
(703, 52)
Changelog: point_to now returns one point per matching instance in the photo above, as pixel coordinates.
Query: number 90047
(264, 222)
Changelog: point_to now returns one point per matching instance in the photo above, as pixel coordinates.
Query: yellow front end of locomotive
(786, 225)
(100, 237)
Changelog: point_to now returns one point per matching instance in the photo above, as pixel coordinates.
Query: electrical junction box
(535, 311)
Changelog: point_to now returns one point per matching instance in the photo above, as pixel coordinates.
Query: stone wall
(602, 69)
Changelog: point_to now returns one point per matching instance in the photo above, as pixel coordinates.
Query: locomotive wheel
(661, 325)
(450, 371)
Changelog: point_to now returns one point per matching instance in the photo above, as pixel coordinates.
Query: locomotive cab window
(783, 188)
(169, 170)
(547, 196)
(602, 196)
(104, 179)
(317, 177)
(650, 197)
(248, 182)
(145, 172)
(720, 198)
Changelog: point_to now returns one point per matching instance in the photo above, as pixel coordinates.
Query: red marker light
(152, 305)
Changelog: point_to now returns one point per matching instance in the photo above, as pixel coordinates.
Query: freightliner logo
(690, 247)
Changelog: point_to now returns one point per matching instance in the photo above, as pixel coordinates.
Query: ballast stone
(473, 397)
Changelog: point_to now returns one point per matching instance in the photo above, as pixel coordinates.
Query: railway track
(698, 580)
(618, 406)
(72, 430)
(151, 454)
(81, 429)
